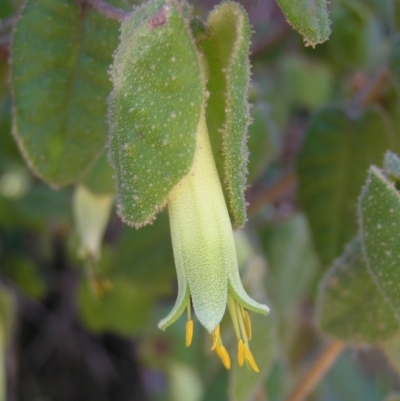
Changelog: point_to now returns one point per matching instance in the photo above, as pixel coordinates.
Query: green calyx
(163, 78)
(225, 45)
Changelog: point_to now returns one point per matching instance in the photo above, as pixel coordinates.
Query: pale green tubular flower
(205, 256)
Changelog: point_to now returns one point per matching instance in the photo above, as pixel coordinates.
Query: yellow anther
(101, 286)
(250, 359)
(189, 332)
(97, 288)
(215, 337)
(106, 284)
(223, 354)
(240, 352)
(247, 323)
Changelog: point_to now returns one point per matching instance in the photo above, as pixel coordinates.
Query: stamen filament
(240, 352)
(215, 338)
(242, 325)
(247, 323)
(234, 317)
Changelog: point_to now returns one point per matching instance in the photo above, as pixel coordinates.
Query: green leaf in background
(382, 8)
(99, 179)
(123, 309)
(347, 380)
(5, 8)
(23, 271)
(379, 211)
(292, 267)
(150, 259)
(394, 61)
(264, 141)
(309, 18)
(154, 108)
(217, 389)
(61, 54)
(309, 84)
(277, 383)
(350, 306)
(349, 45)
(39, 207)
(395, 12)
(226, 48)
(332, 168)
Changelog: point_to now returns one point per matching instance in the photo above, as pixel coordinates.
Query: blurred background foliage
(77, 325)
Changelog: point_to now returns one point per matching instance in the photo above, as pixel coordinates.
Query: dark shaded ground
(53, 357)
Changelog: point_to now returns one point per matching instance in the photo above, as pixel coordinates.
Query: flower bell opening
(242, 326)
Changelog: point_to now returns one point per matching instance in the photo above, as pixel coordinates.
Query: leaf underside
(379, 227)
(350, 305)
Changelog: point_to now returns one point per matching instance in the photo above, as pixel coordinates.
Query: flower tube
(205, 256)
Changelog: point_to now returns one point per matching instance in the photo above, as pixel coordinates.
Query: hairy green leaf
(379, 210)
(226, 48)
(392, 166)
(61, 53)
(309, 18)
(350, 305)
(332, 169)
(154, 108)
